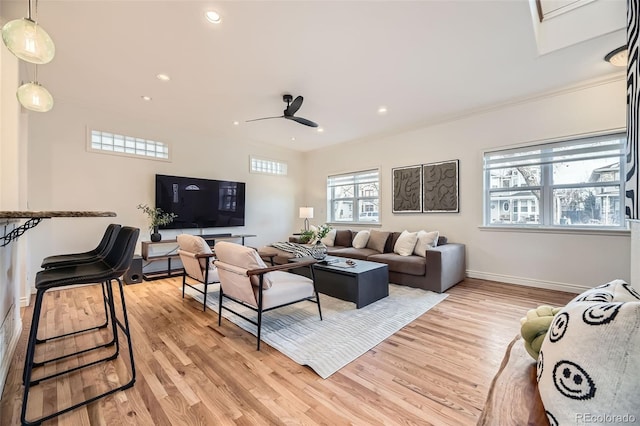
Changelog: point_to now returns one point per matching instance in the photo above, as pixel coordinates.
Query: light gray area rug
(343, 335)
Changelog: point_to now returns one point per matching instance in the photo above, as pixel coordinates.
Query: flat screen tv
(200, 203)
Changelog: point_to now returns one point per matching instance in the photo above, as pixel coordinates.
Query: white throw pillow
(329, 239)
(589, 362)
(361, 239)
(426, 241)
(405, 243)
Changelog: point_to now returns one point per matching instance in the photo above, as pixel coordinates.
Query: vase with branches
(157, 217)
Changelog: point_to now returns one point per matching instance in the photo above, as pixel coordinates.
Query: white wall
(12, 168)
(552, 260)
(63, 175)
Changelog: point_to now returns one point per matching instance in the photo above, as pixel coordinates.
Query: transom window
(267, 167)
(113, 143)
(573, 183)
(354, 197)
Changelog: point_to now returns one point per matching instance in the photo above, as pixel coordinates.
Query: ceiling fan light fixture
(213, 17)
(618, 57)
(33, 96)
(28, 41)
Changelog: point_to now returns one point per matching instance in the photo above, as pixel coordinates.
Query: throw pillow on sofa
(361, 239)
(329, 239)
(377, 240)
(406, 243)
(589, 362)
(426, 240)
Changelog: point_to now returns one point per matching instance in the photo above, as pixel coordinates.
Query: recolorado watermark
(586, 418)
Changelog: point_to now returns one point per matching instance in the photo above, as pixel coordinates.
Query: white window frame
(266, 166)
(333, 180)
(546, 187)
(103, 142)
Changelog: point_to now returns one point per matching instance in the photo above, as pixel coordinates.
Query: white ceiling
(423, 60)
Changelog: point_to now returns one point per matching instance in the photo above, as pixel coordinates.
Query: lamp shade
(306, 212)
(28, 41)
(35, 97)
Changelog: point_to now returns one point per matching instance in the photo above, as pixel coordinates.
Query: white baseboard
(8, 356)
(529, 282)
(24, 301)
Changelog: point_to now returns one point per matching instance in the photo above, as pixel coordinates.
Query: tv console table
(168, 250)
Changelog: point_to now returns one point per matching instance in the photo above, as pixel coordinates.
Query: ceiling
(424, 60)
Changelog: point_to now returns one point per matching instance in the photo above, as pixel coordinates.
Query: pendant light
(28, 41)
(35, 97)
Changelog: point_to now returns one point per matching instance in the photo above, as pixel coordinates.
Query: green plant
(315, 234)
(157, 217)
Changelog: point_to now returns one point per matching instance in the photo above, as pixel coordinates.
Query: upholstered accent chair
(197, 260)
(245, 279)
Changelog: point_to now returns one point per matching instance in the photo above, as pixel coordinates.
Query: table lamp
(306, 213)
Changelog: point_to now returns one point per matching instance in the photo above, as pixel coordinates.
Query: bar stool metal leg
(29, 364)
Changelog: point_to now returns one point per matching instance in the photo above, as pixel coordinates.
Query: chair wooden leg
(204, 300)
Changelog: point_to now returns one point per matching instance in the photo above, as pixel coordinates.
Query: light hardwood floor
(437, 370)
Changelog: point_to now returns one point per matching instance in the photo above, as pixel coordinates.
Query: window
(574, 183)
(268, 167)
(354, 197)
(112, 143)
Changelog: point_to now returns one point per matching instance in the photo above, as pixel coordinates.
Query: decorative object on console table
(157, 217)
(407, 189)
(440, 187)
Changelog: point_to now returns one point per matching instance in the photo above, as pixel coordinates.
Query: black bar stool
(65, 260)
(106, 270)
(101, 251)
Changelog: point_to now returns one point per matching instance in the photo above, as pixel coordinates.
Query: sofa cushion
(406, 243)
(426, 240)
(590, 358)
(343, 238)
(354, 253)
(361, 239)
(377, 240)
(410, 265)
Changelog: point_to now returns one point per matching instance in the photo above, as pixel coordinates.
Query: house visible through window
(354, 197)
(114, 143)
(573, 183)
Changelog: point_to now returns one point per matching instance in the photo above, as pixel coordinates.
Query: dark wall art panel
(440, 187)
(407, 189)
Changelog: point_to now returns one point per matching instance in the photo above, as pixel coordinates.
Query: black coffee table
(362, 284)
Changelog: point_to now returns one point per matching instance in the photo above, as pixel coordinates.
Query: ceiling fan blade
(302, 121)
(266, 118)
(294, 107)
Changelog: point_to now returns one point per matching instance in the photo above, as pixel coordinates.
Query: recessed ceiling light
(236, 123)
(618, 57)
(163, 77)
(146, 98)
(213, 17)
(382, 110)
(320, 130)
(293, 138)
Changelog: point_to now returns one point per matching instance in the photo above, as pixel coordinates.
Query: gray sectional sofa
(441, 268)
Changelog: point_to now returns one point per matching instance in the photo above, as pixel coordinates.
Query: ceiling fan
(292, 108)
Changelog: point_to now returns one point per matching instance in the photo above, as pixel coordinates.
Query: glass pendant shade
(35, 97)
(28, 41)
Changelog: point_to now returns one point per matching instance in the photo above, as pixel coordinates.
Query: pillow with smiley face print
(589, 362)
